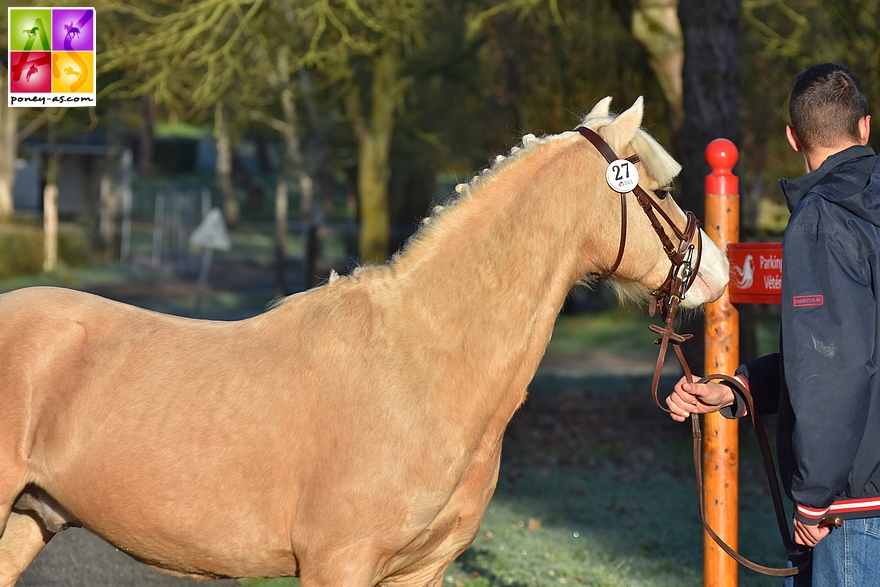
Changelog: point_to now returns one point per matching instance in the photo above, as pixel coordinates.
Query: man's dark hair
(826, 105)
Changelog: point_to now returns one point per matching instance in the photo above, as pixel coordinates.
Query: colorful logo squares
(52, 57)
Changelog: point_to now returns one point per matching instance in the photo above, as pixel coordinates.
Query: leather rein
(666, 298)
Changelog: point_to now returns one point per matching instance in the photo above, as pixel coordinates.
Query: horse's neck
(486, 284)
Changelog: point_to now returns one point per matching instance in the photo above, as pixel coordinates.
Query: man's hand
(697, 398)
(809, 535)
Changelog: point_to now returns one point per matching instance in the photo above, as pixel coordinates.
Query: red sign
(755, 273)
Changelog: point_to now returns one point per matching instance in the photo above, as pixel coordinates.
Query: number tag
(622, 176)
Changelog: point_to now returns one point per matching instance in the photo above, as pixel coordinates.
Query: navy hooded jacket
(824, 384)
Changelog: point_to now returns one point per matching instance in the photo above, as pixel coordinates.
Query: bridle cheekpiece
(683, 270)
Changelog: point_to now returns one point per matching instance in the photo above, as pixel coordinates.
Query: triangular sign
(211, 233)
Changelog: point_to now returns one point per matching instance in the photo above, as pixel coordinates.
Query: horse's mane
(657, 161)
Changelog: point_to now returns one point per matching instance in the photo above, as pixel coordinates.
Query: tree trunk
(108, 210)
(50, 201)
(231, 210)
(295, 165)
(295, 157)
(374, 149)
(710, 82)
(50, 227)
(8, 152)
(281, 220)
(321, 178)
(373, 174)
(50, 206)
(148, 121)
(657, 28)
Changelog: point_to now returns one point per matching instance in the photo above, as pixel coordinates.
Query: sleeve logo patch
(807, 301)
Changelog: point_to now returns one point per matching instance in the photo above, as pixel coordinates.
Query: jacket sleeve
(761, 378)
(828, 335)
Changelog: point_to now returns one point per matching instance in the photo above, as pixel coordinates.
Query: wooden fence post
(720, 436)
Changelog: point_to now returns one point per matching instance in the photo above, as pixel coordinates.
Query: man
(825, 382)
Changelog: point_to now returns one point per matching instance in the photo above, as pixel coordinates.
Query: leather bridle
(666, 298)
(680, 256)
(682, 272)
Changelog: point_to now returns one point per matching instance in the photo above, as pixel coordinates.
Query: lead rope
(668, 335)
(668, 311)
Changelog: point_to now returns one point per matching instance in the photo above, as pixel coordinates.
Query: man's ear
(792, 137)
(865, 129)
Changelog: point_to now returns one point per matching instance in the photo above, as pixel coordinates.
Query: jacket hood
(846, 187)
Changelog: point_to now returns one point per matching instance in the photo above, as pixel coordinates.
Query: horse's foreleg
(22, 536)
(20, 543)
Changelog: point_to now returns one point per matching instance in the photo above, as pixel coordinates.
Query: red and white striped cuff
(845, 508)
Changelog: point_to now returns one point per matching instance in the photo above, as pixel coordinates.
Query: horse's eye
(662, 193)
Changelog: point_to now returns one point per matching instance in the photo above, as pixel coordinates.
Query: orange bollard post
(720, 436)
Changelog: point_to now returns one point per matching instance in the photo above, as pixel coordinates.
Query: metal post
(720, 436)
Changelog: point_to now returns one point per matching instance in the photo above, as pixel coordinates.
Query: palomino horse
(351, 435)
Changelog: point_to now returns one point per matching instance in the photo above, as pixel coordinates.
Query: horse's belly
(188, 530)
(217, 507)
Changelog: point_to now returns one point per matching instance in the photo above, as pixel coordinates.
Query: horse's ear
(600, 110)
(623, 128)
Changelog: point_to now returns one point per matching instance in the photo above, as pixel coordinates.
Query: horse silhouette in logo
(31, 72)
(72, 31)
(744, 276)
(31, 33)
(72, 71)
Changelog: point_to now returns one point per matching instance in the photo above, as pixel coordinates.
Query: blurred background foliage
(372, 110)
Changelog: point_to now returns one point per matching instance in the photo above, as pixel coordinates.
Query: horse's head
(645, 262)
